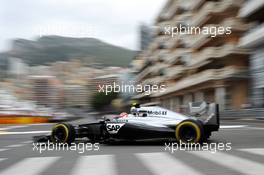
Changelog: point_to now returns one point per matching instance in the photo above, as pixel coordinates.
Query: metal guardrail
(244, 113)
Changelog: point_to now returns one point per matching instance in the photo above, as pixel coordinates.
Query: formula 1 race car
(144, 123)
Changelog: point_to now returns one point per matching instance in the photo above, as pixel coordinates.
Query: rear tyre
(63, 133)
(189, 131)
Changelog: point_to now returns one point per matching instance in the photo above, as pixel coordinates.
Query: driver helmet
(134, 111)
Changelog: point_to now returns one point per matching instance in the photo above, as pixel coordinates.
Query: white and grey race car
(144, 123)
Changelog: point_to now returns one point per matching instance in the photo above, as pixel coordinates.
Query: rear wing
(208, 113)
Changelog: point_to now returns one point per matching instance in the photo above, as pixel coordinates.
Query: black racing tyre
(63, 133)
(189, 131)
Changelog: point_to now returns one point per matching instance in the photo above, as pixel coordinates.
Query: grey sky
(114, 21)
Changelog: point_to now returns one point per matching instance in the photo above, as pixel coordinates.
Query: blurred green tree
(100, 100)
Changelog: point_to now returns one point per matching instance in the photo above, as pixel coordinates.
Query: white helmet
(134, 111)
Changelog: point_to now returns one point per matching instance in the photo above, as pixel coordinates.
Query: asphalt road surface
(19, 156)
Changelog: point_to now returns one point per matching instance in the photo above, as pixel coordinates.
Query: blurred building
(17, 67)
(12, 67)
(75, 96)
(253, 11)
(46, 90)
(146, 35)
(4, 64)
(95, 84)
(197, 67)
(40, 70)
(100, 81)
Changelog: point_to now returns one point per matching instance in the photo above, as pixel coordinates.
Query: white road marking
(14, 146)
(27, 142)
(238, 164)
(24, 132)
(4, 149)
(30, 166)
(1, 159)
(257, 151)
(14, 127)
(257, 128)
(232, 126)
(24, 126)
(164, 164)
(40, 124)
(95, 164)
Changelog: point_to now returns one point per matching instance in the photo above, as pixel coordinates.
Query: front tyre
(63, 133)
(189, 131)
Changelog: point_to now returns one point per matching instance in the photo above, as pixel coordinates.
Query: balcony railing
(162, 55)
(168, 12)
(153, 81)
(205, 76)
(139, 96)
(202, 15)
(199, 40)
(143, 74)
(174, 57)
(190, 4)
(236, 24)
(250, 7)
(254, 37)
(210, 8)
(153, 70)
(138, 64)
(209, 53)
(160, 28)
(174, 72)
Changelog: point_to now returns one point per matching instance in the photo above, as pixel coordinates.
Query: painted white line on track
(30, 166)
(1, 159)
(257, 151)
(164, 164)
(4, 149)
(14, 146)
(232, 126)
(40, 124)
(14, 127)
(241, 165)
(24, 132)
(256, 128)
(24, 126)
(27, 142)
(95, 164)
